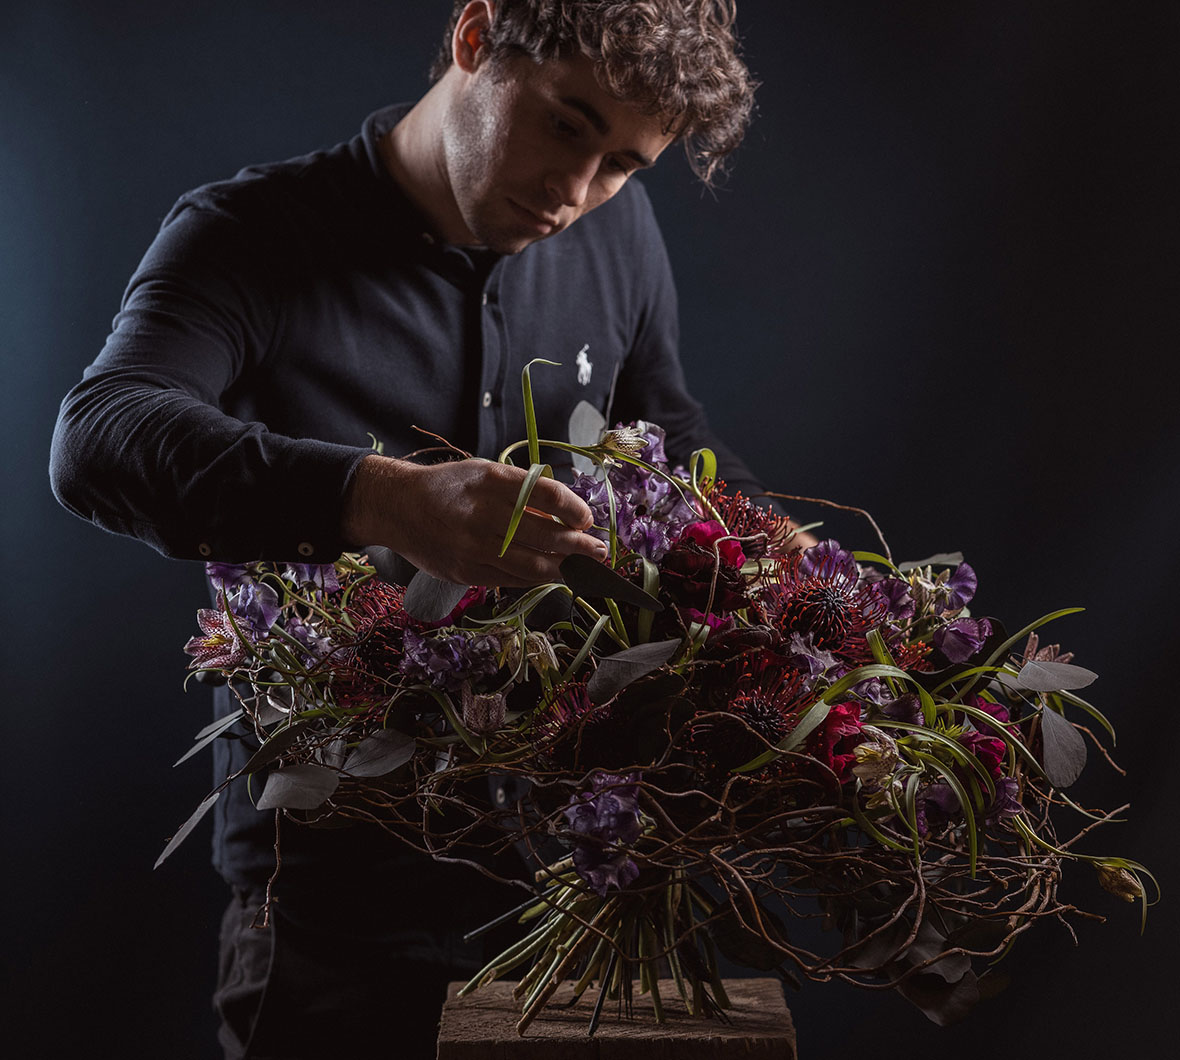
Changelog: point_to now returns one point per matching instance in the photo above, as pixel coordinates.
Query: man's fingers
(541, 533)
(555, 498)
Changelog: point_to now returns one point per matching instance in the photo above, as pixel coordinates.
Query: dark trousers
(323, 984)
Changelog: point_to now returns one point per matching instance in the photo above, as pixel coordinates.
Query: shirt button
(305, 548)
(485, 298)
(204, 549)
(487, 398)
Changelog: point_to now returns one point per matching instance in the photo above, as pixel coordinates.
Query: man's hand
(450, 520)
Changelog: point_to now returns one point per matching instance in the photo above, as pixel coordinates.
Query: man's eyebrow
(602, 126)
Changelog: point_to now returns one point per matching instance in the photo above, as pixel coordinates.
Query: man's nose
(570, 185)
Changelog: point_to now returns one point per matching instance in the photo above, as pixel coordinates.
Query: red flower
(834, 742)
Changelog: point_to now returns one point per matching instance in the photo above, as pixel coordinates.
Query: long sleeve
(142, 444)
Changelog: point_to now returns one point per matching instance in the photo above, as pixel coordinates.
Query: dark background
(941, 284)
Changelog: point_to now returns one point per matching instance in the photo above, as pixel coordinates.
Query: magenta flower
(707, 532)
(220, 648)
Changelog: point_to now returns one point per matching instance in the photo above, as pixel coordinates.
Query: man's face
(529, 148)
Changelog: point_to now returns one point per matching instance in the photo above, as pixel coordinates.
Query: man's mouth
(538, 222)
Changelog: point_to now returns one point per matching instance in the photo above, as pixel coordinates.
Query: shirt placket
(493, 350)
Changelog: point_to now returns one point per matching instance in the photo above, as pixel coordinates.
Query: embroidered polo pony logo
(584, 366)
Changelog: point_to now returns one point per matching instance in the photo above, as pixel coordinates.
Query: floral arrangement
(703, 743)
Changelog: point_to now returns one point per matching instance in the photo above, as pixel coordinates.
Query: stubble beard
(473, 139)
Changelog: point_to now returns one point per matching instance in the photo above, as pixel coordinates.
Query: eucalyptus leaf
(1063, 749)
(183, 831)
(1053, 676)
(431, 599)
(384, 561)
(940, 559)
(277, 744)
(587, 577)
(943, 1003)
(617, 671)
(219, 724)
(380, 753)
(301, 787)
(210, 733)
(585, 430)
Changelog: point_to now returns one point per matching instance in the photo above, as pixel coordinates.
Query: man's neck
(412, 154)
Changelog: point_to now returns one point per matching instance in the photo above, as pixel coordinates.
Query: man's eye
(561, 126)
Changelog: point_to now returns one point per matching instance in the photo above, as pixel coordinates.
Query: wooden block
(482, 1026)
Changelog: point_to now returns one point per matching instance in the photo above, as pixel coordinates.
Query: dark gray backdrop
(941, 284)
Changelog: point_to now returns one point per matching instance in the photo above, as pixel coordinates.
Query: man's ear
(467, 43)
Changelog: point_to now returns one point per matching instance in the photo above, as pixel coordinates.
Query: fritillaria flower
(605, 822)
(482, 714)
(220, 647)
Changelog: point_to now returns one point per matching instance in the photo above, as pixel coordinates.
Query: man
(402, 280)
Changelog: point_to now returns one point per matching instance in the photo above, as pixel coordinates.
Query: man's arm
(143, 448)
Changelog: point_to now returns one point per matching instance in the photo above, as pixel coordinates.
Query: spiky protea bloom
(915, 656)
(821, 593)
(746, 520)
(376, 611)
(761, 712)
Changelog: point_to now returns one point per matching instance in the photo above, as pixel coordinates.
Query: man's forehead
(573, 82)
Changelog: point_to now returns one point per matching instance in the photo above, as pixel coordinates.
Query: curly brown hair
(675, 58)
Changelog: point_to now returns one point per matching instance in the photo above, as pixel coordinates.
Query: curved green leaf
(522, 499)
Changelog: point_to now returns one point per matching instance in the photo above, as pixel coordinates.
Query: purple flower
(959, 588)
(315, 645)
(936, 805)
(907, 708)
(962, 638)
(253, 603)
(653, 451)
(446, 660)
(898, 598)
(814, 663)
(321, 576)
(828, 561)
(646, 537)
(257, 605)
(1005, 805)
(605, 822)
(227, 575)
(220, 648)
